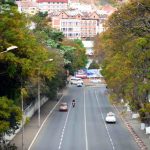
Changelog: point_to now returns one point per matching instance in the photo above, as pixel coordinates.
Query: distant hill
(111, 2)
(101, 2)
(104, 2)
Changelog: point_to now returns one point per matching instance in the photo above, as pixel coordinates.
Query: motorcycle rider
(73, 103)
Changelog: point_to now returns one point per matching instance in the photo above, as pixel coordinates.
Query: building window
(63, 29)
(70, 29)
(63, 23)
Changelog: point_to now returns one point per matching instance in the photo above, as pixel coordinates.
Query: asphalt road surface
(84, 127)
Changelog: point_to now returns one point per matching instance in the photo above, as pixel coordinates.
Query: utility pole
(22, 116)
(39, 99)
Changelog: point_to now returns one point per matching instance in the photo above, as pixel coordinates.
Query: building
(52, 5)
(89, 47)
(33, 6)
(82, 22)
(81, 7)
(27, 7)
(76, 24)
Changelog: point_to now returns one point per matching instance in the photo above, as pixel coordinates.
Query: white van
(76, 81)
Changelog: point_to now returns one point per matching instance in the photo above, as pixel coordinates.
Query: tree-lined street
(84, 127)
(39, 54)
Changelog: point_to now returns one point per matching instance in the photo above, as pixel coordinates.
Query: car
(79, 85)
(110, 118)
(75, 80)
(63, 106)
(82, 76)
(96, 81)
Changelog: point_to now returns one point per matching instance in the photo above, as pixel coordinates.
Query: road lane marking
(44, 123)
(111, 141)
(63, 131)
(86, 139)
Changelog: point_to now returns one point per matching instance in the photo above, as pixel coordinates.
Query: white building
(89, 47)
(34, 6)
(52, 5)
(81, 7)
(28, 7)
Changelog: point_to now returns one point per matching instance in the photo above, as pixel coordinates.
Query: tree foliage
(10, 116)
(94, 65)
(74, 53)
(23, 63)
(125, 52)
(49, 36)
(20, 66)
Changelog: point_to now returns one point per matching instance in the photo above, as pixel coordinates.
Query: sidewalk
(32, 127)
(133, 126)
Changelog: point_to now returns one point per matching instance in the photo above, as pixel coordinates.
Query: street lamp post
(9, 49)
(39, 98)
(22, 116)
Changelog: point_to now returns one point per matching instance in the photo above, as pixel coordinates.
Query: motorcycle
(73, 104)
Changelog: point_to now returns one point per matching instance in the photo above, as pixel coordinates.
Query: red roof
(62, 1)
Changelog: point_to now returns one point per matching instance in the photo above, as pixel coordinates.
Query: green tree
(74, 53)
(125, 52)
(21, 64)
(10, 116)
(94, 65)
(51, 38)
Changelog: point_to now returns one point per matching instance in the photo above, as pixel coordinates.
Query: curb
(136, 137)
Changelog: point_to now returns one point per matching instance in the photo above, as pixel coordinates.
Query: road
(84, 127)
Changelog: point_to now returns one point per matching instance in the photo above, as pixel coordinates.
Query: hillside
(100, 2)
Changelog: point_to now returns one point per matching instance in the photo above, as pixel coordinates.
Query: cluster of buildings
(75, 20)
(78, 25)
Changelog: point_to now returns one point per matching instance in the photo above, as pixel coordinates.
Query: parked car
(63, 106)
(110, 118)
(76, 81)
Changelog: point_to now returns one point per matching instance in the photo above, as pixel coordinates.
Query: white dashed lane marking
(63, 131)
